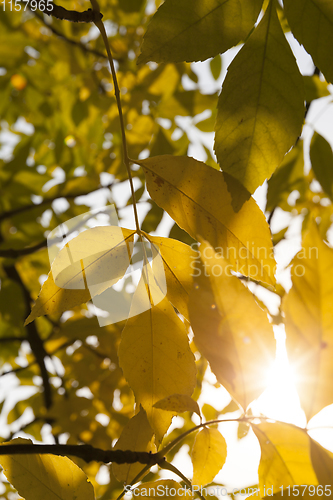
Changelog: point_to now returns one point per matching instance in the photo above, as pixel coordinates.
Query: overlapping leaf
(230, 329)
(322, 163)
(209, 454)
(37, 477)
(309, 322)
(154, 353)
(261, 106)
(136, 436)
(197, 198)
(178, 403)
(194, 30)
(285, 457)
(177, 260)
(85, 267)
(311, 22)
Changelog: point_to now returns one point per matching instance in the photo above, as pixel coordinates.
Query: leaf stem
(99, 24)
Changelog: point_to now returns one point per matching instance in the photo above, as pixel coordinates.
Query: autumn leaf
(154, 354)
(285, 457)
(259, 117)
(178, 403)
(311, 22)
(37, 477)
(309, 322)
(230, 329)
(193, 30)
(137, 435)
(197, 198)
(322, 163)
(85, 267)
(209, 454)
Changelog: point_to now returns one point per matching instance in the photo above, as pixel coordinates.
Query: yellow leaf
(136, 436)
(209, 454)
(41, 477)
(309, 322)
(177, 259)
(322, 461)
(285, 457)
(261, 107)
(230, 329)
(165, 488)
(178, 403)
(85, 267)
(194, 30)
(322, 163)
(154, 354)
(311, 22)
(197, 198)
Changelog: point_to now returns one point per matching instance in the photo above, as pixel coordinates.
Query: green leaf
(178, 403)
(37, 477)
(216, 66)
(194, 30)
(230, 329)
(209, 454)
(261, 107)
(309, 322)
(311, 22)
(314, 88)
(322, 163)
(191, 193)
(154, 354)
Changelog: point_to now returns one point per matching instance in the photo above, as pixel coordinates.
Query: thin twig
(99, 24)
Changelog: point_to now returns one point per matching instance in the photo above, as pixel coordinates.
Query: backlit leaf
(177, 259)
(137, 436)
(100, 257)
(194, 30)
(311, 22)
(260, 115)
(178, 403)
(322, 163)
(285, 457)
(209, 454)
(154, 354)
(322, 461)
(230, 329)
(197, 198)
(37, 477)
(309, 322)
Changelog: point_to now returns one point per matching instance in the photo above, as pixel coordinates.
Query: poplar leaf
(87, 266)
(209, 454)
(194, 30)
(311, 22)
(154, 354)
(322, 163)
(285, 457)
(197, 198)
(178, 403)
(260, 115)
(239, 347)
(309, 322)
(137, 435)
(37, 477)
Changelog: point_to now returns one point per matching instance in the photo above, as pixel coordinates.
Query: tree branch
(51, 9)
(33, 337)
(85, 451)
(12, 253)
